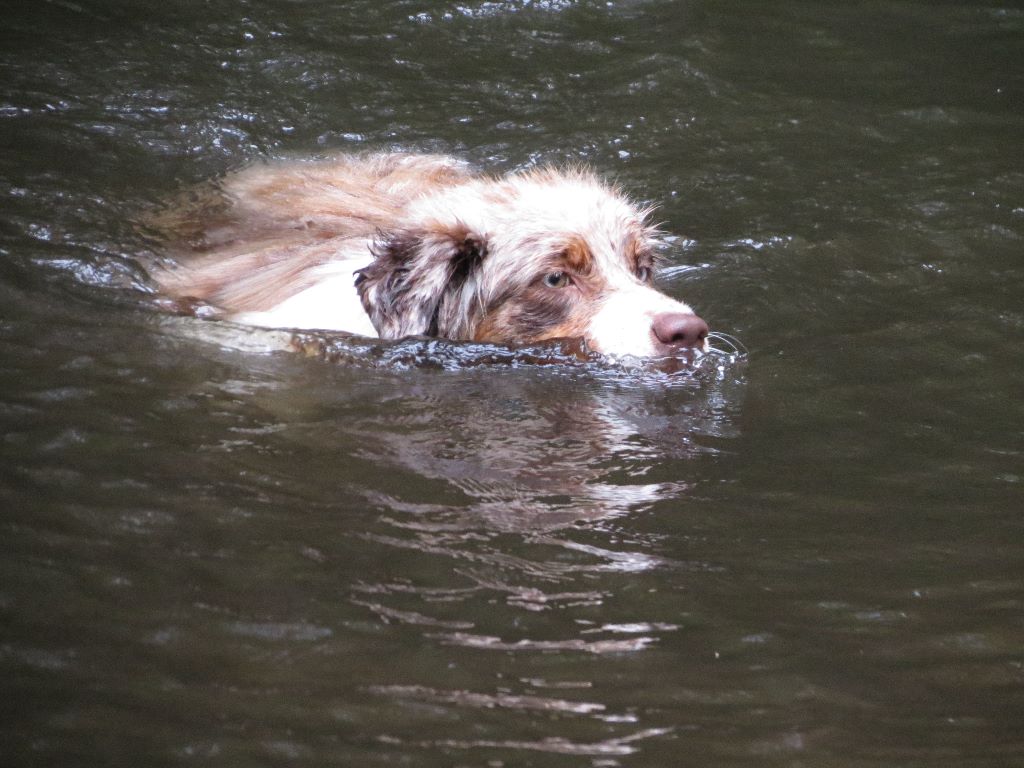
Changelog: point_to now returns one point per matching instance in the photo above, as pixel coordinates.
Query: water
(433, 555)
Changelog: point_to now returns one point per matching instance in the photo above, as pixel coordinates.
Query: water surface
(215, 551)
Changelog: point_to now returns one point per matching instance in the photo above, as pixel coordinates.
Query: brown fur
(249, 242)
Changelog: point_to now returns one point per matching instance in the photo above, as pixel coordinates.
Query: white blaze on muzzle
(623, 324)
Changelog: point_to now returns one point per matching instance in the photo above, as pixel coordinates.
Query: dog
(397, 244)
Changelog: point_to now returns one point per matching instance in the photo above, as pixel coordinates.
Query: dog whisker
(735, 346)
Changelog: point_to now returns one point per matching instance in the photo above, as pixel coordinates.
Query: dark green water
(814, 557)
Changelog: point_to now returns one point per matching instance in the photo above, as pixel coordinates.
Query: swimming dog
(397, 244)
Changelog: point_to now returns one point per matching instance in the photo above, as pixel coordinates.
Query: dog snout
(680, 330)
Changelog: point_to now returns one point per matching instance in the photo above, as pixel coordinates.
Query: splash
(427, 353)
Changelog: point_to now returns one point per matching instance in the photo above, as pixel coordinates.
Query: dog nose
(676, 329)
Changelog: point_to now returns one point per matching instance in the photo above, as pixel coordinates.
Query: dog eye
(644, 274)
(556, 280)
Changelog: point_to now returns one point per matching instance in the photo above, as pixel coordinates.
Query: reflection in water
(504, 490)
(535, 459)
(538, 443)
(505, 495)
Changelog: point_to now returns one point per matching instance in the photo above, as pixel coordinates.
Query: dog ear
(418, 283)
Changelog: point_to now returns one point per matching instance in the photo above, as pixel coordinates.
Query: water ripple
(597, 647)
(488, 701)
(623, 745)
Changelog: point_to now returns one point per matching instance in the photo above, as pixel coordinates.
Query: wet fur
(401, 244)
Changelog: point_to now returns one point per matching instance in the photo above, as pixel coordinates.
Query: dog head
(537, 256)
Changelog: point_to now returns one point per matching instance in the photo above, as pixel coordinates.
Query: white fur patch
(331, 304)
(623, 324)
